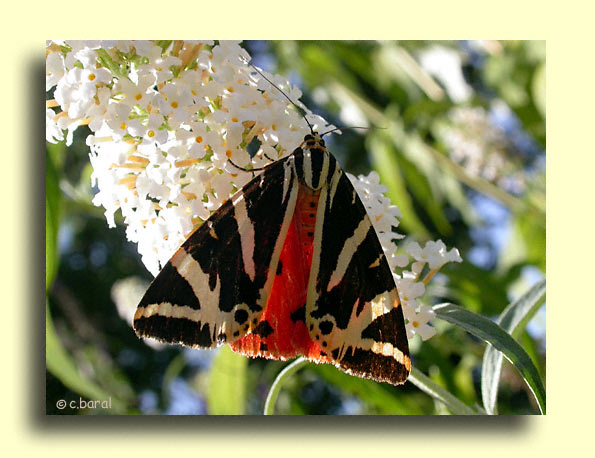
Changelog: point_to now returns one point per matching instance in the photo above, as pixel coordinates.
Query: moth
(289, 266)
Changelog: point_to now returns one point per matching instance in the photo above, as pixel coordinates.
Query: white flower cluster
(383, 214)
(411, 287)
(165, 120)
(434, 254)
(167, 117)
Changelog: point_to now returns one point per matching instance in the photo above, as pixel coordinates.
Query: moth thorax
(317, 165)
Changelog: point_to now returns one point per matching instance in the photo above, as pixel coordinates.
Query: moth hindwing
(290, 265)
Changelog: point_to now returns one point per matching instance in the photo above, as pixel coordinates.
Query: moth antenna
(350, 127)
(243, 169)
(269, 158)
(300, 109)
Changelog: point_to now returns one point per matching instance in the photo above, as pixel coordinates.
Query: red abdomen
(282, 332)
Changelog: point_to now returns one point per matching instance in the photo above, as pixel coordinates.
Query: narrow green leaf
(478, 290)
(492, 333)
(61, 365)
(420, 173)
(513, 320)
(532, 229)
(538, 89)
(105, 59)
(515, 317)
(52, 221)
(227, 383)
(384, 160)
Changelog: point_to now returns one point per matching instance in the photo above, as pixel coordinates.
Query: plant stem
(424, 383)
(288, 371)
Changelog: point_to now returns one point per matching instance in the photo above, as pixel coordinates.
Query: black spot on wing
(386, 328)
(264, 329)
(170, 286)
(279, 268)
(325, 327)
(174, 330)
(240, 316)
(299, 314)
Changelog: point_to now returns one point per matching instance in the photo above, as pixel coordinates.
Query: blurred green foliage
(500, 231)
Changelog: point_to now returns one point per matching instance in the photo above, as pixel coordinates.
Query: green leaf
(532, 229)
(513, 320)
(421, 173)
(538, 88)
(385, 160)
(492, 333)
(52, 221)
(227, 383)
(105, 59)
(478, 290)
(61, 365)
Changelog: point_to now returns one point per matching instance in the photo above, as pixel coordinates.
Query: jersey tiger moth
(290, 265)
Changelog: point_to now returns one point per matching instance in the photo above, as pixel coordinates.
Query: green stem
(424, 383)
(288, 371)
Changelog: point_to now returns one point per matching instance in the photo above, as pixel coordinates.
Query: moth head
(313, 140)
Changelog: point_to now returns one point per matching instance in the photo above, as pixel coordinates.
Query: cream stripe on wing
(246, 232)
(293, 188)
(348, 251)
(350, 338)
(334, 184)
(287, 170)
(190, 269)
